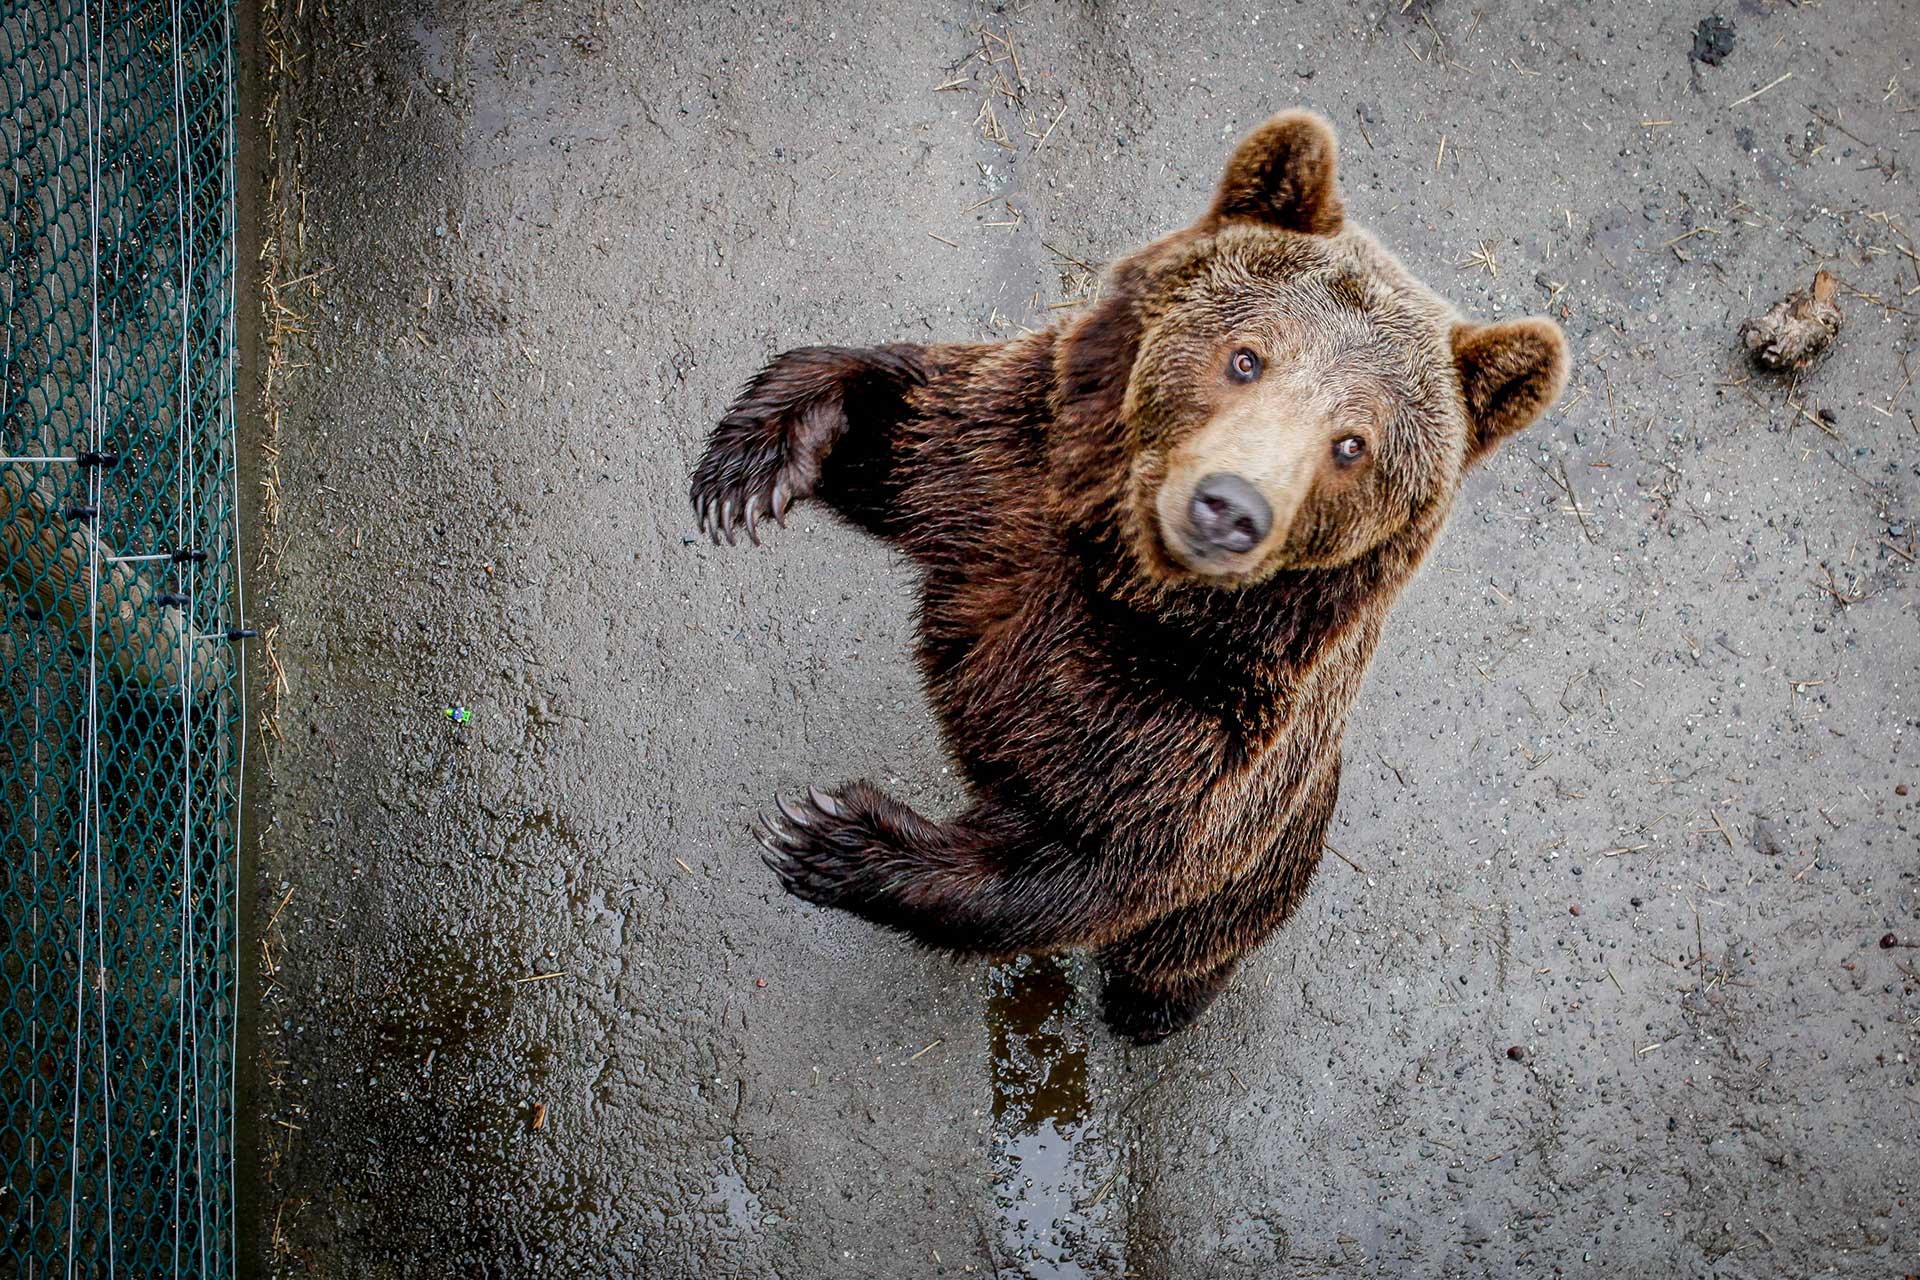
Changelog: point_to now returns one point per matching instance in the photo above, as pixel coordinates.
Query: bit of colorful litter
(459, 715)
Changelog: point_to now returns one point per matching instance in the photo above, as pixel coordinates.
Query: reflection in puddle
(1049, 1174)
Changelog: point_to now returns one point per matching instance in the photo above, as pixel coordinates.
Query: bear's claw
(814, 846)
(724, 517)
(737, 486)
(826, 803)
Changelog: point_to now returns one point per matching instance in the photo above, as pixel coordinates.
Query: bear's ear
(1510, 374)
(1283, 174)
(1093, 365)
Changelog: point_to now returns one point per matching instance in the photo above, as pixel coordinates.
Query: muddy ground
(1597, 984)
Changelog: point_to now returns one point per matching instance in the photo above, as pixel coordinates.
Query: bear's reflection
(1049, 1172)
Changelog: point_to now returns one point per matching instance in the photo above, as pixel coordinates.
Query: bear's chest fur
(1126, 729)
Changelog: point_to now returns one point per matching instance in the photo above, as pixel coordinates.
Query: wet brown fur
(1153, 754)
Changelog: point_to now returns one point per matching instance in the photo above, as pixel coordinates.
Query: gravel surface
(1598, 983)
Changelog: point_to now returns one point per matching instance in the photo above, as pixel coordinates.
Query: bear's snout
(1227, 515)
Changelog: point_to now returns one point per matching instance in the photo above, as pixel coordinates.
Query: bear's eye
(1349, 449)
(1245, 366)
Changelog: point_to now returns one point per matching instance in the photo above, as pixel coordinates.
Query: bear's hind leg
(1147, 1010)
(1161, 977)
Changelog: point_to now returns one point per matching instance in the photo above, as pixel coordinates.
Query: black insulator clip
(241, 633)
(97, 458)
(187, 554)
(86, 512)
(168, 597)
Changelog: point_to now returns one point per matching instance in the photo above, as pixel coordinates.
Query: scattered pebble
(1889, 941)
(1516, 1053)
(1574, 909)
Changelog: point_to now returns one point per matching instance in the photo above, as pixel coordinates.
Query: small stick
(930, 1048)
(1842, 128)
(1064, 256)
(1724, 833)
(1565, 486)
(539, 977)
(1344, 858)
(1049, 132)
(1762, 89)
(1697, 231)
(1802, 411)
(943, 240)
(272, 919)
(1699, 944)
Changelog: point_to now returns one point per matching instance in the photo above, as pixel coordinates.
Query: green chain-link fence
(119, 640)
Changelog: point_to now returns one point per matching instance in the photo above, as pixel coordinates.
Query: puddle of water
(744, 1210)
(1049, 1170)
(431, 42)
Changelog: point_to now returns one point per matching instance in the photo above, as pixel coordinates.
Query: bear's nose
(1228, 515)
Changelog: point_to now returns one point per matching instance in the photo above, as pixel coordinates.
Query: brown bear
(1157, 544)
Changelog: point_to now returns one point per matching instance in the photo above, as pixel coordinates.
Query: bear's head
(1270, 390)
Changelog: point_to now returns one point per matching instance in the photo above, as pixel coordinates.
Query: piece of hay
(1791, 336)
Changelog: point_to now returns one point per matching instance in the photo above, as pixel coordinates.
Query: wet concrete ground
(1597, 982)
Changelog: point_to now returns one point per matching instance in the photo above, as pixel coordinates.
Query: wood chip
(1791, 336)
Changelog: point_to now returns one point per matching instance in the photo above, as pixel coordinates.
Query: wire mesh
(120, 612)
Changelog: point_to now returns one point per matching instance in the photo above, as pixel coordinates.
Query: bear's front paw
(744, 477)
(821, 850)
